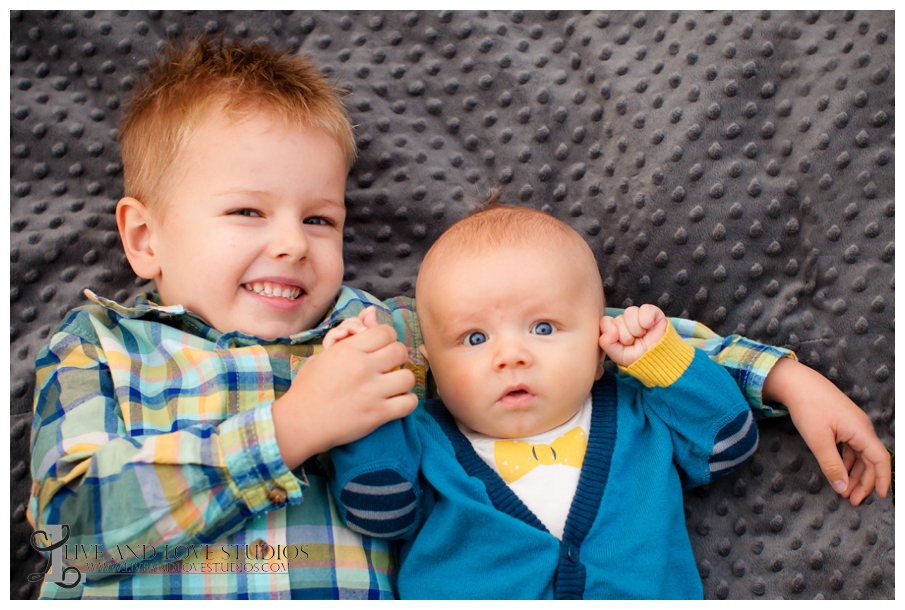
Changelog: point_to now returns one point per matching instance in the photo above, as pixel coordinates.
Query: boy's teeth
(270, 289)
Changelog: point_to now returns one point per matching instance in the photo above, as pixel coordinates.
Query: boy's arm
(196, 484)
(712, 428)
(345, 392)
(371, 367)
(820, 411)
(826, 417)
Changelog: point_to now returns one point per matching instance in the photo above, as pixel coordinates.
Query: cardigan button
(573, 553)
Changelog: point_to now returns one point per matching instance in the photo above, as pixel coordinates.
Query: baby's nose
(511, 353)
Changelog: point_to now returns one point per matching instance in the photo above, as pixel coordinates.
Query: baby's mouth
(515, 396)
(274, 290)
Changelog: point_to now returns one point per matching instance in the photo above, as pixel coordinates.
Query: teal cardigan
(467, 535)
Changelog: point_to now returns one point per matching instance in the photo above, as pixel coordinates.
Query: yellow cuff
(664, 363)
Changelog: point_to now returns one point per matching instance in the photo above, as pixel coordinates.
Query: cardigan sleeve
(747, 362)
(376, 484)
(712, 429)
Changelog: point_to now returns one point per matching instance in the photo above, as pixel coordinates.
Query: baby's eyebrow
(454, 325)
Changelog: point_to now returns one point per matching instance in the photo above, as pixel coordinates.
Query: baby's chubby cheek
(456, 398)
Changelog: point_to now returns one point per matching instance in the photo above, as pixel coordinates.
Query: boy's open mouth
(272, 289)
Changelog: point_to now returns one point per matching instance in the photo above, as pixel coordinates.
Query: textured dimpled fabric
(734, 167)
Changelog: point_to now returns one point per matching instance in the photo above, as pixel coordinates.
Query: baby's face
(250, 233)
(512, 337)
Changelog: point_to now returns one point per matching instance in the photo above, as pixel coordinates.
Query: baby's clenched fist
(627, 337)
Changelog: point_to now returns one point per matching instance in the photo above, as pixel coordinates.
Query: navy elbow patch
(734, 444)
(380, 504)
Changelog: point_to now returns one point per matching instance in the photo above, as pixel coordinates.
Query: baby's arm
(747, 361)
(711, 426)
(825, 417)
(375, 482)
(375, 479)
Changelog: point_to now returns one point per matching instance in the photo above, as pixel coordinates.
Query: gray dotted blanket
(734, 167)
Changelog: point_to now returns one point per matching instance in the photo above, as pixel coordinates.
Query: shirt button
(259, 549)
(573, 553)
(277, 496)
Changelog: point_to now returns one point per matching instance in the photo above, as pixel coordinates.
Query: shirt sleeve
(376, 484)
(196, 484)
(713, 431)
(408, 331)
(747, 361)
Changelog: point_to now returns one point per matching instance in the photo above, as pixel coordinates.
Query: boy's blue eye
(246, 212)
(543, 328)
(318, 220)
(475, 338)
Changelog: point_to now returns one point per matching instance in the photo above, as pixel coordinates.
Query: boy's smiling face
(248, 234)
(511, 334)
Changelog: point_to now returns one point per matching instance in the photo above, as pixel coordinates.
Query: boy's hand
(345, 392)
(826, 417)
(367, 318)
(629, 336)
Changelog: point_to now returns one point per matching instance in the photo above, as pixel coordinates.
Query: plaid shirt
(153, 429)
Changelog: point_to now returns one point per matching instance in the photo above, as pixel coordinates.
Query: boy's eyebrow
(260, 192)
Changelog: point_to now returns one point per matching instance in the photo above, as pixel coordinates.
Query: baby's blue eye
(475, 338)
(543, 328)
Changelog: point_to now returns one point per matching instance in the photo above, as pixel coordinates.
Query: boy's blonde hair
(496, 226)
(190, 78)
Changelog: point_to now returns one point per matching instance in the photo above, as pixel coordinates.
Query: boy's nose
(511, 354)
(288, 242)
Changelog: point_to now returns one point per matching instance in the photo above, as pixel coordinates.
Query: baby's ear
(423, 351)
(601, 359)
(431, 383)
(133, 219)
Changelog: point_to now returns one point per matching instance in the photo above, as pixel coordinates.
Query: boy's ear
(135, 226)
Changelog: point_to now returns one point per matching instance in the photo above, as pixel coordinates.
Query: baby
(537, 474)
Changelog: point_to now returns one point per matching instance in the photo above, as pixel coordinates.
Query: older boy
(188, 421)
(181, 421)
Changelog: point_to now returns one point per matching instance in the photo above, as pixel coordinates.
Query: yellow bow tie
(515, 459)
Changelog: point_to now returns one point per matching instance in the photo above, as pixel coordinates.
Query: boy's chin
(270, 330)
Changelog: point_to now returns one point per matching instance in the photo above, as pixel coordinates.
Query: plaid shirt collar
(348, 304)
